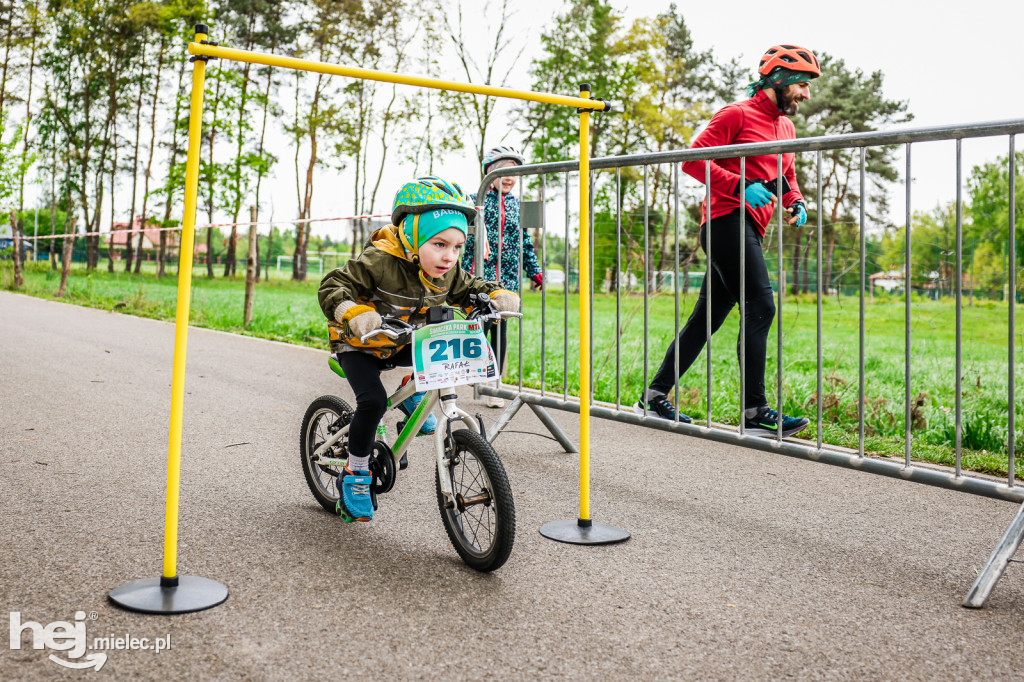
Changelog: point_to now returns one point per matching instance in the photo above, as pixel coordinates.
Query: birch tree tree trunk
(19, 279)
(135, 174)
(152, 145)
(34, 33)
(172, 161)
(113, 207)
(69, 247)
(211, 171)
(8, 14)
(250, 270)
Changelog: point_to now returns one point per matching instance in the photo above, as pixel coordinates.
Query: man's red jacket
(757, 119)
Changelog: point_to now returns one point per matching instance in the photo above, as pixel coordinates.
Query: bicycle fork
(450, 411)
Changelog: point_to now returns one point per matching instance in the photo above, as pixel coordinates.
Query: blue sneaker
(354, 500)
(766, 423)
(409, 406)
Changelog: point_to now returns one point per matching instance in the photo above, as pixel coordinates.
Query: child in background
(505, 242)
(410, 266)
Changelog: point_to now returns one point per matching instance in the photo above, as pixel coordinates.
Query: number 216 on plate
(451, 354)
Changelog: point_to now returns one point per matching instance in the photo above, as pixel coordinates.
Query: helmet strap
(414, 254)
(411, 246)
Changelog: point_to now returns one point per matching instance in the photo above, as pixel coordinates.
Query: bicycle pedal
(342, 514)
(403, 463)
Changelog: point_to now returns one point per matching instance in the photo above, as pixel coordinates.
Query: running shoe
(766, 423)
(660, 406)
(355, 502)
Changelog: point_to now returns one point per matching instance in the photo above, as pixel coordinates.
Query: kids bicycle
(473, 492)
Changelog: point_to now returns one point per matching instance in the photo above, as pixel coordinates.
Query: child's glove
(363, 323)
(505, 301)
(798, 213)
(538, 281)
(364, 319)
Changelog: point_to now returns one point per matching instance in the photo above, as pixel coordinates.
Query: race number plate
(451, 354)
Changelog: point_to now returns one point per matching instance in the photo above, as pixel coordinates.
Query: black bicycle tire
(342, 409)
(495, 556)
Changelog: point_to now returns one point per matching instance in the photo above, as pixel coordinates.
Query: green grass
(288, 311)
(933, 386)
(282, 310)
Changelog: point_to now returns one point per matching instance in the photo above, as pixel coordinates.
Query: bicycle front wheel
(482, 522)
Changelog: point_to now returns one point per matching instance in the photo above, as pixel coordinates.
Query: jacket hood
(386, 239)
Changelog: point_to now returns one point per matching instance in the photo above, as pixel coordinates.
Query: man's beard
(789, 105)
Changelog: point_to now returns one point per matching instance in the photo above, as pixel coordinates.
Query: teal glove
(757, 195)
(798, 212)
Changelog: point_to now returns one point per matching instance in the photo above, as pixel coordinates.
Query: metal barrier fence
(540, 397)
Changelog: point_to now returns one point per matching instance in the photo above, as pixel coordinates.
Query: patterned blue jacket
(512, 238)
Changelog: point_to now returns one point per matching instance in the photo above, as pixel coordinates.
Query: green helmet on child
(427, 206)
(429, 193)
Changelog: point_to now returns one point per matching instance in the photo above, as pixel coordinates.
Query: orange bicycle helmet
(790, 57)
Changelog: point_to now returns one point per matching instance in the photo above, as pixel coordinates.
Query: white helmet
(500, 154)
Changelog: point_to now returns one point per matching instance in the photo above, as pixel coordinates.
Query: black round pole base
(583, 532)
(184, 594)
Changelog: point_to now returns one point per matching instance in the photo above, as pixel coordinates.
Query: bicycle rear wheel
(323, 418)
(482, 524)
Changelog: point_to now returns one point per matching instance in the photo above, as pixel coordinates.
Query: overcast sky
(954, 62)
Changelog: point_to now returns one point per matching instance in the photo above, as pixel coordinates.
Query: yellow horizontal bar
(384, 76)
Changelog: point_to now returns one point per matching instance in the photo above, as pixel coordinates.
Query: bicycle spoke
(482, 525)
(476, 520)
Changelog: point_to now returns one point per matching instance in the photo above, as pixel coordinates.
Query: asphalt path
(742, 564)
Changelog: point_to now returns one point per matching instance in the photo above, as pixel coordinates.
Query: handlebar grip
(386, 332)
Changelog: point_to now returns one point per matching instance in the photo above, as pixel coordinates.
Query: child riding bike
(408, 267)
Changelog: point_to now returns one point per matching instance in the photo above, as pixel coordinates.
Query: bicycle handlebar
(392, 327)
(497, 315)
(396, 328)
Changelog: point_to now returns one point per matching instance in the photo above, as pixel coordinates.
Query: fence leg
(505, 418)
(555, 430)
(993, 570)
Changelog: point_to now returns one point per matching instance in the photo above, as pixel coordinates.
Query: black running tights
(723, 277)
(363, 373)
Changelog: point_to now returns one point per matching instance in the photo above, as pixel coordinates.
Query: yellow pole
(195, 126)
(386, 77)
(584, 309)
